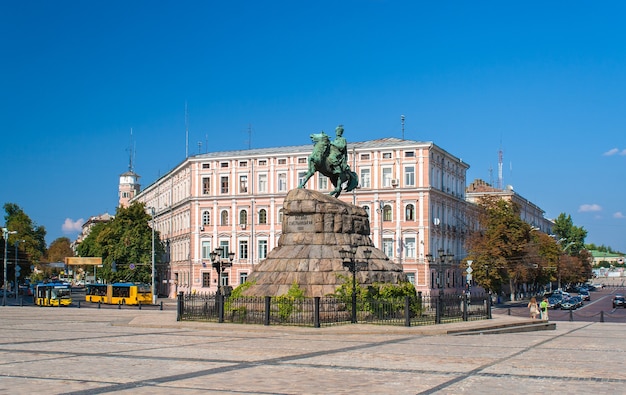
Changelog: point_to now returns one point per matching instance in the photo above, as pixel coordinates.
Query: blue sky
(544, 82)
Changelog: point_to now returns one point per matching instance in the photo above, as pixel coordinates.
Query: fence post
(509, 311)
(407, 311)
(161, 308)
(98, 304)
(180, 306)
(139, 303)
(220, 307)
(601, 315)
(268, 306)
(317, 312)
(465, 305)
(571, 316)
(79, 304)
(438, 303)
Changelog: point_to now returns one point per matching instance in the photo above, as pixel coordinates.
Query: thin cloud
(618, 215)
(615, 151)
(70, 226)
(588, 208)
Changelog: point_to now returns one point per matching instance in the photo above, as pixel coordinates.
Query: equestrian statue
(331, 159)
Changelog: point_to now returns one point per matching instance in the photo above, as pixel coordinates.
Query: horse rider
(339, 157)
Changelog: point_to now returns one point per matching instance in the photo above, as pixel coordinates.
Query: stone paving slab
(89, 351)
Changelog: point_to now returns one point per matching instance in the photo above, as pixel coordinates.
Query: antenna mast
(186, 131)
(500, 168)
(402, 119)
(249, 136)
(130, 151)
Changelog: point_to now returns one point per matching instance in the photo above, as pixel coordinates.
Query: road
(598, 309)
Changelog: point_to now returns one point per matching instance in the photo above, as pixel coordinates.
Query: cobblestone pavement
(93, 351)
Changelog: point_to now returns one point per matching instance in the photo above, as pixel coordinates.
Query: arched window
(409, 212)
(224, 218)
(206, 218)
(280, 216)
(387, 214)
(243, 217)
(367, 210)
(262, 216)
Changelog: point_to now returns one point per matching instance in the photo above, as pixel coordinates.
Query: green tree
(125, 245)
(34, 236)
(506, 251)
(59, 249)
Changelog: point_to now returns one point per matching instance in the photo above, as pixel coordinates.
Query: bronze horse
(322, 160)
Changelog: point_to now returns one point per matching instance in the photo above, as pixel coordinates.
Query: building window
(262, 216)
(323, 181)
(387, 213)
(409, 154)
(224, 184)
(225, 248)
(206, 279)
(365, 156)
(262, 249)
(243, 277)
(206, 165)
(206, 218)
(262, 183)
(280, 215)
(386, 155)
(282, 161)
(302, 160)
(409, 176)
(282, 182)
(409, 212)
(243, 183)
(387, 177)
(301, 175)
(224, 279)
(243, 249)
(411, 278)
(206, 250)
(410, 247)
(206, 185)
(262, 162)
(224, 164)
(388, 247)
(243, 163)
(367, 210)
(243, 217)
(224, 218)
(366, 178)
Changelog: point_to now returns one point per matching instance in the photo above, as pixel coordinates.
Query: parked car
(568, 304)
(584, 294)
(554, 302)
(619, 301)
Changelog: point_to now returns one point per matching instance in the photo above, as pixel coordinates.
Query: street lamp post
(17, 270)
(5, 235)
(440, 260)
(350, 262)
(219, 264)
(153, 285)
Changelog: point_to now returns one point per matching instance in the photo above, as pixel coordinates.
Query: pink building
(414, 192)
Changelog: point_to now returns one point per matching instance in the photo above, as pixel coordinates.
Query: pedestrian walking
(544, 309)
(533, 307)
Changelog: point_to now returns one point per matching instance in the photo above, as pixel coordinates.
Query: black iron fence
(325, 311)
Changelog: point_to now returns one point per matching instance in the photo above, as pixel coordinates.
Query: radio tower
(500, 168)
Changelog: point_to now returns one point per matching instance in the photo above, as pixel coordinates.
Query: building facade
(413, 191)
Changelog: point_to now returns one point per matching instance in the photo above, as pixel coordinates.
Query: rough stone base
(316, 227)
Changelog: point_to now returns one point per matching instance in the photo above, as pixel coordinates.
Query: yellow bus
(119, 293)
(53, 294)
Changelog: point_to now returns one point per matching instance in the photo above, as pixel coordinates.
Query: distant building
(529, 212)
(88, 225)
(128, 187)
